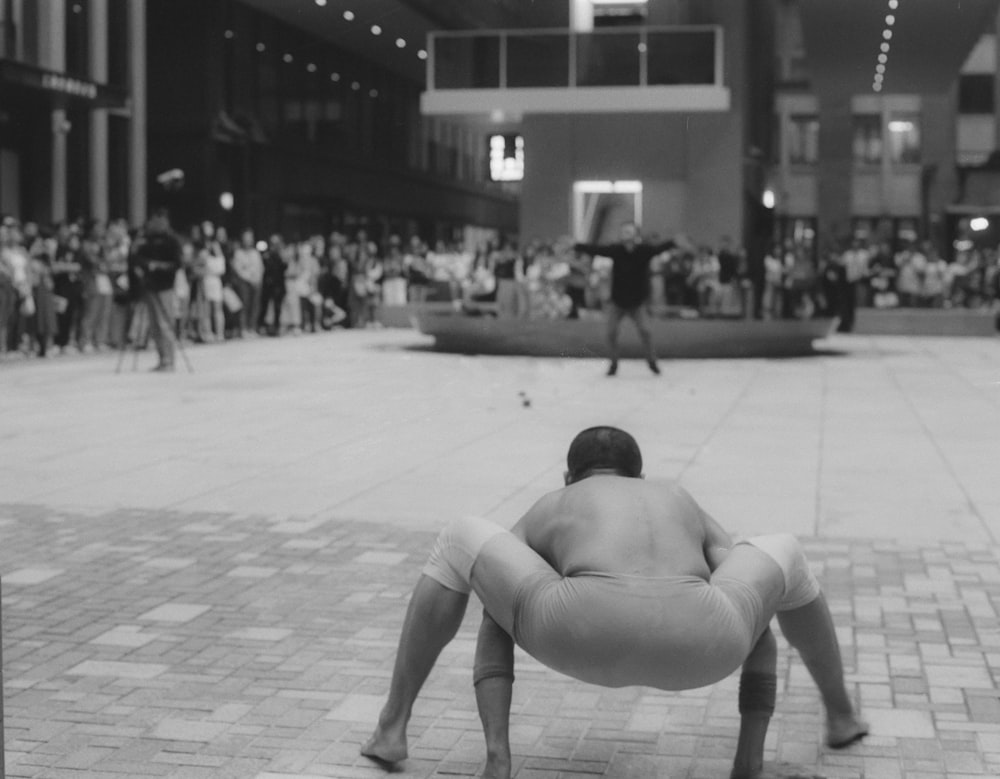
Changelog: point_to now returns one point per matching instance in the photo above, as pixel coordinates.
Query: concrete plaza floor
(204, 574)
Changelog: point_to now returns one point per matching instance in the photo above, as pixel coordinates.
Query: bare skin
(606, 522)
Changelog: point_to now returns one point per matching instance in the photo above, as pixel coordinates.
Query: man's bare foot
(387, 744)
(843, 731)
(497, 768)
(778, 771)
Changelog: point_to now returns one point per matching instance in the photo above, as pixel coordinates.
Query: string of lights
(312, 68)
(882, 61)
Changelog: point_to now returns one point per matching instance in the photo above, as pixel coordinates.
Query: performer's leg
(641, 318)
(758, 687)
(774, 572)
(613, 321)
(432, 619)
(469, 554)
(494, 681)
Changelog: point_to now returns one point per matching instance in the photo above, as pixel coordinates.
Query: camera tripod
(137, 323)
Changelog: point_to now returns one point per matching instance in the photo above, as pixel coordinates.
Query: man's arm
(717, 541)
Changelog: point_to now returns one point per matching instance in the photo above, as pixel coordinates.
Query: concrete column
(52, 55)
(98, 168)
(137, 126)
(834, 170)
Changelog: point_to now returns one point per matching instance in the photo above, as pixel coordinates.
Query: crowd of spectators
(69, 286)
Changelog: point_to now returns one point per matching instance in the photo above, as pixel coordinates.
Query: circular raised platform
(585, 337)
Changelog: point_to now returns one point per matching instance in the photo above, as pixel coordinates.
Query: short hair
(603, 447)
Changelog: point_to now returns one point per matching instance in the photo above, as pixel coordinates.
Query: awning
(930, 40)
(63, 88)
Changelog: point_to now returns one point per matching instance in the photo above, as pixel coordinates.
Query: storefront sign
(19, 74)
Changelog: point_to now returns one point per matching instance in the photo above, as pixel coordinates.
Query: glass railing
(621, 56)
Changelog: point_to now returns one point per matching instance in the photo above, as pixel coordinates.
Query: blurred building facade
(757, 120)
(72, 90)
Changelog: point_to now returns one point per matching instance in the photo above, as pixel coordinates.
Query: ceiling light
(355, 86)
(373, 93)
(879, 78)
(900, 126)
(979, 223)
(883, 58)
(311, 67)
(321, 3)
(229, 35)
(261, 47)
(422, 54)
(893, 4)
(288, 58)
(884, 47)
(349, 15)
(887, 34)
(400, 43)
(880, 68)
(877, 87)
(334, 77)
(890, 20)
(376, 30)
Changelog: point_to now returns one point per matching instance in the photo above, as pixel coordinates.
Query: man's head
(603, 449)
(159, 221)
(629, 232)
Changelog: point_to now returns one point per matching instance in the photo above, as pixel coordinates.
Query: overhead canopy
(930, 41)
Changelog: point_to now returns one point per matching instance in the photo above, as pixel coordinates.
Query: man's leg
(641, 318)
(494, 681)
(612, 323)
(470, 554)
(776, 570)
(432, 619)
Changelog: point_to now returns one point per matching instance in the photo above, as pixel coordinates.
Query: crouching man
(617, 581)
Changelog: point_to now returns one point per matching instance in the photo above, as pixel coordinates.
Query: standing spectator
(333, 282)
(508, 273)
(774, 280)
(155, 260)
(248, 272)
(272, 286)
(935, 281)
(9, 283)
(42, 287)
(855, 263)
(394, 274)
(800, 284)
(307, 283)
(910, 264)
(731, 270)
(704, 279)
(833, 288)
(97, 289)
(212, 323)
(117, 245)
(418, 271)
(67, 272)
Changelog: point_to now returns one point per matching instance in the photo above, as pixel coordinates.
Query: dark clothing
(154, 263)
(630, 286)
(729, 266)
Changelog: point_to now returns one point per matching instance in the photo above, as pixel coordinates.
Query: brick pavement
(197, 644)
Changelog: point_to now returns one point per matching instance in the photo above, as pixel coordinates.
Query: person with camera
(153, 266)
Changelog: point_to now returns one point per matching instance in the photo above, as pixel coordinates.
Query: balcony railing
(563, 59)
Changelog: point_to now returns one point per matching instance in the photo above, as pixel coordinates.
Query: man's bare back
(613, 524)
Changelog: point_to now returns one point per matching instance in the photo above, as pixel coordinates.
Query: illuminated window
(868, 139)
(803, 139)
(506, 157)
(904, 138)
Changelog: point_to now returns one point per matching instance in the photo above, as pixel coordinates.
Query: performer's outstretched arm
(494, 680)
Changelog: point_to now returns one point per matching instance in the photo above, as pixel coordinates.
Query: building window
(904, 138)
(975, 93)
(868, 139)
(803, 139)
